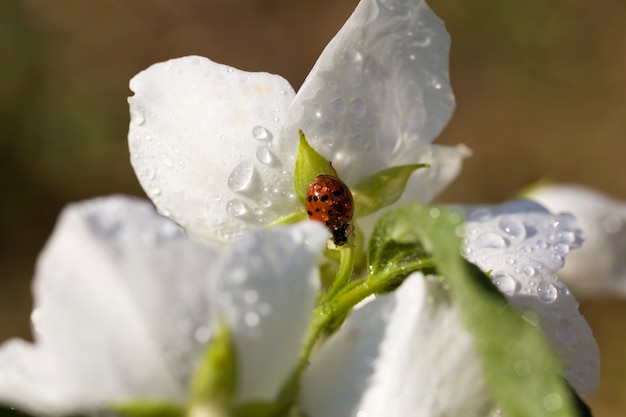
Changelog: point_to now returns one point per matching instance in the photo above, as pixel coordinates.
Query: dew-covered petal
(523, 245)
(379, 90)
(599, 267)
(204, 144)
(403, 354)
(117, 301)
(266, 285)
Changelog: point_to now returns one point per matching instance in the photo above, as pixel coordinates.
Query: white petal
(523, 245)
(403, 354)
(117, 302)
(266, 288)
(599, 267)
(204, 144)
(379, 90)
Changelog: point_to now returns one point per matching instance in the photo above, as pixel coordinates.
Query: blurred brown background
(541, 91)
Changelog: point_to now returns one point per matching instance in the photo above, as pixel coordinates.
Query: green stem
(346, 266)
(340, 299)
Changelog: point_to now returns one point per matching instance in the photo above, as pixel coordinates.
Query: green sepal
(291, 218)
(215, 378)
(382, 188)
(390, 246)
(503, 340)
(148, 408)
(309, 164)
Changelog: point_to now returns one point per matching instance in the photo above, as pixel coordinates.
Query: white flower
(125, 304)
(522, 245)
(214, 147)
(599, 267)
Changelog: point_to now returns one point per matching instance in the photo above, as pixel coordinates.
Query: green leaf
(309, 164)
(382, 189)
(522, 370)
(215, 378)
(148, 408)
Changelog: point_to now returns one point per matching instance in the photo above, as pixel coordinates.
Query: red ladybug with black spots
(329, 200)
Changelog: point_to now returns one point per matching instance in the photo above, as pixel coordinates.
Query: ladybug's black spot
(317, 210)
(340, 209)
(309, 213)
(337, 193)
(330, 212)
(324, 197)
(343, 190)
(309, 198)
(314, 198)
(328, 224)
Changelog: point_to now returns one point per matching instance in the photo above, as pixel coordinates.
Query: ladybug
(329, 200)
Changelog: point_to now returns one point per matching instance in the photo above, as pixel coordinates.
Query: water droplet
(434, 213)
(167, 160)
(546, 292)
(251, 296)
(252, 319)
(236, 207)
(529, 271)
(560, 248)
(522, 367)
(241, 177)
(358, 107)
(509, 260)
(264, 155)
(238, 275)
(513, 228)
(531, 317)
(412, 57)
(229, 70)
(202, 334)
(276, 119)
(506, 283)
(422, 39)
(491, 240)
(261, 133)
(567, 220)
(149, 173)
(480, 215)
(612, 224)
(137, 115)
(326, 128)
(338, 106)
(154, 191)
(264, 309)
(552, 402)
(542, 244)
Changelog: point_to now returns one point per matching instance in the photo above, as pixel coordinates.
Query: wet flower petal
(111, 320)
(126, 303)
(267, 284)
(205, 146)
(379, 90)
(599, 267)
(210, 146)
(523, 245)
(399, 354)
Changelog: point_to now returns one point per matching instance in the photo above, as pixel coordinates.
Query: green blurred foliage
(541, 91)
